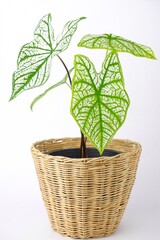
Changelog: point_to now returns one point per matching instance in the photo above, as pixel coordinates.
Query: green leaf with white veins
(116, 43)
(34, 60)
(99, 101)
(63, 40)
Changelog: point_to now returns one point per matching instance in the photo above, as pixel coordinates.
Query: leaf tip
(154, 57)
(100, 150)
(81, 18)
(79, 44)
(32, 104)
(31, 107)
(50, 16)
(11, 98)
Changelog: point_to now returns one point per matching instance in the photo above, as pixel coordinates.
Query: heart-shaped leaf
(99, 101)
(116, 43)
(34, 60)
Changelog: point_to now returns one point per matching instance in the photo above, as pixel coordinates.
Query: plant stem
(83, 149)
(66, 69)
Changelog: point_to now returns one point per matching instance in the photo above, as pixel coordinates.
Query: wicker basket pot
(85, 197)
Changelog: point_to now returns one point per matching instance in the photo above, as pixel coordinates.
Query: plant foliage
(116, 43)
(34, 60)
(99, 102)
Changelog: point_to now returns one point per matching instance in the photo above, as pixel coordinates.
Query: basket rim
(135, 147)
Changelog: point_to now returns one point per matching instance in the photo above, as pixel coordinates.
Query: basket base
(85, 197)
(74, 236)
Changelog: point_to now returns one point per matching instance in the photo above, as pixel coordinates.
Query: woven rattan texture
(85, 197)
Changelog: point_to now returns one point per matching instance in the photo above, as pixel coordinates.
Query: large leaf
(99, 101)
(116, 43)
(34, 60)
(63, 40)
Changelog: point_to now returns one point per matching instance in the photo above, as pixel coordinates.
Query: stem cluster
(83, 148)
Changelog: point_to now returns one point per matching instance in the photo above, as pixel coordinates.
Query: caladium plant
(99, 101)
(34, 59)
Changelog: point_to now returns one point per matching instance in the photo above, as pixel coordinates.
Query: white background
(22, 213)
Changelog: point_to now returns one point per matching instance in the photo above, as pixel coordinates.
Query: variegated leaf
(116, 43)
(63, 40)
(99, 101)
(34, 60)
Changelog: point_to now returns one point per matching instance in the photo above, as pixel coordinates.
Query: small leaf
(34, 60)
(99, 101)
(116, 43)
(64, 39)
(64, 80)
